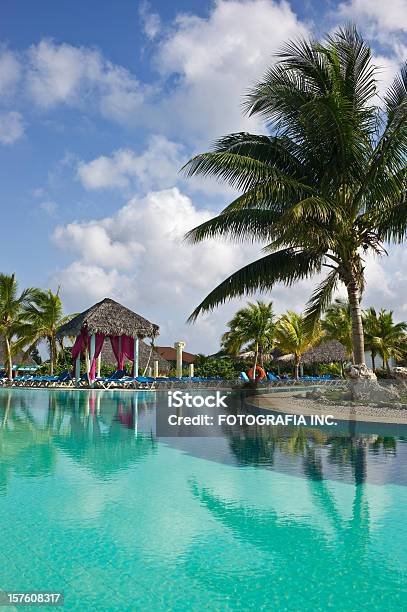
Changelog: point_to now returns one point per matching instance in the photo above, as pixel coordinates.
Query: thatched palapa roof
(20, 358)
(111, 319)
(326, 352)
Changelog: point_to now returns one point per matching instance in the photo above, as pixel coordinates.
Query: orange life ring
(261, 373)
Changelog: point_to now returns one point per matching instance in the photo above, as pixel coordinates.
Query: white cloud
(138, 256)
(156, 167)
(10, 72)
(151, 21)
(217, 58)
(97, 244)
(384, 23)
(84, 284)
(77, 75)
(384, 16)
(11, 127)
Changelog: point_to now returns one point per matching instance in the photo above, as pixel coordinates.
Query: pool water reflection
(93, 504)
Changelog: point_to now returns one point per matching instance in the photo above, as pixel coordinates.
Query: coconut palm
(12, 316)
(326, 187)
(384, 337)
(337, 325)
(252, 324)
(294, 336)
(45, 315)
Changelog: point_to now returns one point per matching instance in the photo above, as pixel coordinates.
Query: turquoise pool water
(92, 504)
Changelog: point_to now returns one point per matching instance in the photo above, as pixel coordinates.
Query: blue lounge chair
(243, 376)
(111, 380)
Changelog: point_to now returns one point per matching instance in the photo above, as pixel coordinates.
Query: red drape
(99, 340)
(127, 349)
(80, 344)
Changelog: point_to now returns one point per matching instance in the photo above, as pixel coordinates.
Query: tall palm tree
(252, 324)
(337, 325)
(325, 187)
(12, 316)
(294, 336)
(386, 338)
(45, 315)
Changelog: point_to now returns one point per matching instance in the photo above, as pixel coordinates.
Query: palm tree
(12, 316)
(45, 315)
(294, 336)
(337, 325)
(326, 187)
(386, 338)
(252, 324)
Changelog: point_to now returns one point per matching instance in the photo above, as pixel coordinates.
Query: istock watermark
(210, 414)
(177, 399)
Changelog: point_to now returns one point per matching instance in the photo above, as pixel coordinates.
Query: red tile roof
(169, 353)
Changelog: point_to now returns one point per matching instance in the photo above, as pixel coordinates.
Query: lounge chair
(112, 380)
(144, 382)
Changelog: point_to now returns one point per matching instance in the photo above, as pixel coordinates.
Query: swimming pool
(92, 504)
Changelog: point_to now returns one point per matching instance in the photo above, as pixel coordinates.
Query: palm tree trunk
(256, 355)
(54, 353)
(51, 356)
(373, 361)
(357, 324)
(297, 367)
(9, 358)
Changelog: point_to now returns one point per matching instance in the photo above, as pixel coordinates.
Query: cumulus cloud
(151, 21)
(65, 74)
(384, 23)
(138, 256)
(156, 167)
(217, 57)
(11, 127)
(383, 16)
(10, 72)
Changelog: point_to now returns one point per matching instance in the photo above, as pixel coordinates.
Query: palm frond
(285, 266)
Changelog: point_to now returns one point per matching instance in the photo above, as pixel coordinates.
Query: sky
(102, 102)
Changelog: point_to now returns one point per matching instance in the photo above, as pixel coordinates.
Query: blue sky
(100, 105)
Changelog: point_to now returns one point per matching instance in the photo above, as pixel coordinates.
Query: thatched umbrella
(326, 352)
(110, 319)
(21, 361)
(107, 318)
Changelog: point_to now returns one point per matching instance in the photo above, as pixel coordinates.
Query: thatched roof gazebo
(326, 352)
(111, 319)
(107, 319)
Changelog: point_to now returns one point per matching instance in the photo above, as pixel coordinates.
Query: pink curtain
(80, 344)
(114, 341)
(127, 349)
(99, 340)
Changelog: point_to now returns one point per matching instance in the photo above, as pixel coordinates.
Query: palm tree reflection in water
(104, 441)
(339, 543)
